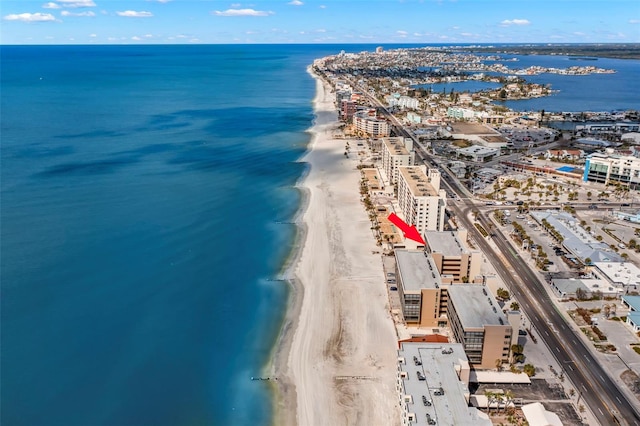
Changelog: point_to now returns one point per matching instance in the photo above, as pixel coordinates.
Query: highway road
(598, 391)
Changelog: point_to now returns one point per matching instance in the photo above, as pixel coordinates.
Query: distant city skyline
(319, 21)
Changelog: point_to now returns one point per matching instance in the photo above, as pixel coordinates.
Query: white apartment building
(368, 123)
(605, 168)
(402, 101)
(396, 152)
(421, 200)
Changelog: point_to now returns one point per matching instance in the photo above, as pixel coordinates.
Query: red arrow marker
(409, 232)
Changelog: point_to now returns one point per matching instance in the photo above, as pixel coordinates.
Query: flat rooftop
(478, 150)
(570, 285)
(417, 270)
(440, 372)
(446, 243)
(620, 273)
(418, 182)
(371, 175)
(395, 146)
(476, 306)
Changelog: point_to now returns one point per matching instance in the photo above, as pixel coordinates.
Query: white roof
(537, 415)
(488, 376)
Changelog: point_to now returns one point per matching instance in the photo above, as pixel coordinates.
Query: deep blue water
(141, 190)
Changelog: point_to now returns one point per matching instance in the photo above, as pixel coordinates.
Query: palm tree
(508, 397)
(498, 364)
(490, 397)
(515, 306)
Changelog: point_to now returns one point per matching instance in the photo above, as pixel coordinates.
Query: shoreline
(337, 328)
(284, 403)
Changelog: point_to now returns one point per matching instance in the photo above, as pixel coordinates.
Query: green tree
(515, 306)
(529, 370)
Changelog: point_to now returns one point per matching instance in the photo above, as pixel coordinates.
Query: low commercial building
(396, 152)
(433, 386)
(478, 153)
(572, 287)
(421, 200)
(625, 276)
(577, 240)
(478, 323)
(611, 169)
(451, 255)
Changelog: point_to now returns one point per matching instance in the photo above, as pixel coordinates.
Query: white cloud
(93, 35)
(51, 5)
(30, 17)
(135, 14)
(466, 34)
(295, 3)
(148, 36)
(508, 22)
(634, 21)
(76, 3)
(136, 38)
(402, 33)
(242, 12)
(322, 6)
(67, 13)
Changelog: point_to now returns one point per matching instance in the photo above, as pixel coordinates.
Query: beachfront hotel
(477, 322)
(473, 315)
(612, 169)
(396, 152)
(421, 200)
(451, 255)
(422, 296)
(366, 122)
(433, 385)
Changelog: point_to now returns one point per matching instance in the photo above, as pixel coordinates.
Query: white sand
(341, 365)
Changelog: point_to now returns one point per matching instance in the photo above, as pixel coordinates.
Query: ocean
(145, 198)
(147, 194)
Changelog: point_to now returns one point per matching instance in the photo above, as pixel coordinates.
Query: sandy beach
(337, 356)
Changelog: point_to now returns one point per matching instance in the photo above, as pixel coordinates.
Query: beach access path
(342, 359)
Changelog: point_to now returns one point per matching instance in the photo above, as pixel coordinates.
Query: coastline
(335, 356)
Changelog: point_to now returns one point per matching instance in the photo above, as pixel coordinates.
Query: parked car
(393, 288)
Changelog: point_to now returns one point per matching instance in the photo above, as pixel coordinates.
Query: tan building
(469, 310)
(367, 123)
(424, 303)
(478, 323)
(396, 152)
(421, 200)
(452, 256)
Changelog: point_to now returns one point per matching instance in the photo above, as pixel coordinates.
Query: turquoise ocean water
(145, 197)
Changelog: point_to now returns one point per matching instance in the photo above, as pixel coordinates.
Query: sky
(318, 21)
